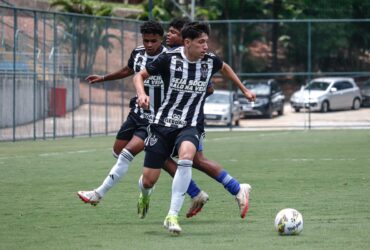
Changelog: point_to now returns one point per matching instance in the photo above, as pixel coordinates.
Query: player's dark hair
(151, 27)
(194, 30)
(179, 23)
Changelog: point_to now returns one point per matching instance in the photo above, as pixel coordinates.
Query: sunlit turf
(323, 174)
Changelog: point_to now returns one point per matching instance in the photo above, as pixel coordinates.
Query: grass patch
(323, 174)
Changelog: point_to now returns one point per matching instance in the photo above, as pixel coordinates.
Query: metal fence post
(230, 62)
(309, 68)
(55, 34)
(35, 48)
(123, 81)
(105, 86)
(15, 28)
(44, 78)
(73, 73)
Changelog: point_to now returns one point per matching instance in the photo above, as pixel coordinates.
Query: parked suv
(327, 93)
(269, 99)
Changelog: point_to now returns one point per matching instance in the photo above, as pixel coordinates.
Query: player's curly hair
(179, 23)
(194, 30)
(151, 27)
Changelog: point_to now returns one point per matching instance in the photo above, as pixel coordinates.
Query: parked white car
(217, 109)
(328, 93)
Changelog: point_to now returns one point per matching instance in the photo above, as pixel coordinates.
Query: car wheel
(356, 104)
(269, 112)
(324, 107)
(297, 110)
(281, 110)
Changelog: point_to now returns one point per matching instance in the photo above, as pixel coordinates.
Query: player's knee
(200, 160)
(148, 182)
(170, 167)
(115, 154)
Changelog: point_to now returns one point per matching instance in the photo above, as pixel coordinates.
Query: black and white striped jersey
(185, 86)
(153, 86)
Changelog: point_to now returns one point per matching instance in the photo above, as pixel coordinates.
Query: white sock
(144, 191)
(116, 173)
(180, 184)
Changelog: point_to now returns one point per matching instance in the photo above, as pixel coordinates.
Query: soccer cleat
(197, 204)
(172, 224)
(143, 206)
(91, 197)
(243, 199)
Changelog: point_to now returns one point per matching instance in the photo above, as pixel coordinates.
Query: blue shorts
(200, 146)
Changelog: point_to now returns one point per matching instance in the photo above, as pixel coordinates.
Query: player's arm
(210, 89)
(120, 74)
(142, 98)
(227, 71)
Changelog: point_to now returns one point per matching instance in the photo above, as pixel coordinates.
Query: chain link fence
(46, 56)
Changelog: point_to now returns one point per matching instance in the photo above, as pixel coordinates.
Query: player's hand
(251, 96)
(143, 101)
(94, 78)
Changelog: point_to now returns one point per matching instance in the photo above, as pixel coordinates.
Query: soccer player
(200, 162)
(186, 72)
(130, 138)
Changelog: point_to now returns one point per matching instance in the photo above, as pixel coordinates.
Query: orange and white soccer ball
(289, 222)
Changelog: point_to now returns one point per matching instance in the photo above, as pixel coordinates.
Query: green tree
(165, 10)
(89, 34)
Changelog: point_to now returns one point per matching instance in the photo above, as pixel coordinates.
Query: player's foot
(143, 206)
(91, 197)
(243, 199)
(197, 204)
(172, 224)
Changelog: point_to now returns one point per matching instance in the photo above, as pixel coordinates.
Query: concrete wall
(32, 101)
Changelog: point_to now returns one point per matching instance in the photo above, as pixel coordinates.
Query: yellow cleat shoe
(172, 224)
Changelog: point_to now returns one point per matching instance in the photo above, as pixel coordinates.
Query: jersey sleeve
(217, 64)
(158, 66)
(130, 62)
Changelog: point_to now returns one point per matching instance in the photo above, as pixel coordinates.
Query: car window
(218, 98)
(347, 85)
(317, 85)
(338, 85)
(259, 88)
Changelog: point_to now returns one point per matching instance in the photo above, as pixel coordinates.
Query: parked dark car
(270, 99)
(365, 92)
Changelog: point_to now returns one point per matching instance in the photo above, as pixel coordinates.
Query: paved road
(293, 120)
(83, 126)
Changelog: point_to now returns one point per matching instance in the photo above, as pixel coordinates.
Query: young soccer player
(130, 138)
(200, 162)
(186, 72)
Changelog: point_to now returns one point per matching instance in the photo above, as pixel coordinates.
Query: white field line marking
(245, 137)
(316, 159)
(68, 152)
(51, 154)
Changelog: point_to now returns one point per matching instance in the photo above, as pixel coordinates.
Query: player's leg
(198, 201)
(153, 162)
(232, 185)
(118, 146)
(186, 144)
(130, 137)
(198, 197)
(120, 168)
